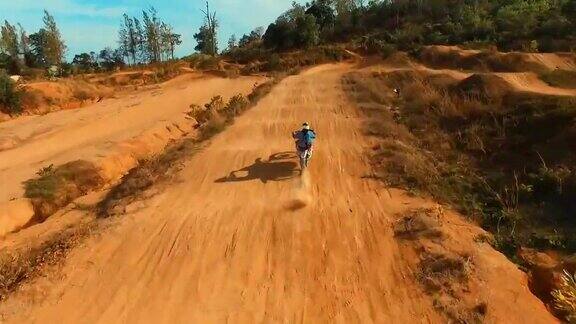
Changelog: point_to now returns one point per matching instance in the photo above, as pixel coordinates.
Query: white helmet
(305, 126)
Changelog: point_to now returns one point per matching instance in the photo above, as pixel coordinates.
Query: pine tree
(9, 40)
(232, 43)
(152, 30)
(24, 41)
(140, 37)
(54, 46)
(129, 38)
(123, 42)
(169, 40)
(207, 35)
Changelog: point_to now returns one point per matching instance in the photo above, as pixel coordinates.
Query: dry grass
(560, 78)
(447, 276)
(17, 267)
(420, 223)
(438, 272)
(479, 151)
(565, 297)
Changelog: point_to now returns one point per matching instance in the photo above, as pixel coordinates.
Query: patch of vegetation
(10, 96)
(440, 271)
(565, 297)
(507, 163)
(17, 267)
(56, 187)
(203, 62)
(81, 94)
(560, 78)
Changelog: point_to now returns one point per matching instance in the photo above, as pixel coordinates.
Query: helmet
(305, 126)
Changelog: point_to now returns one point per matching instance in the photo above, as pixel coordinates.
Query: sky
(91, 25)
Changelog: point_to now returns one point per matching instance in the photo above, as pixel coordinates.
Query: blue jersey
(305, 138)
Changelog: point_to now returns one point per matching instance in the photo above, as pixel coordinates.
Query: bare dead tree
(212, 25)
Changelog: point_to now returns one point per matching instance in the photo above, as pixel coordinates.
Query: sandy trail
(261, 246)
(92, 131)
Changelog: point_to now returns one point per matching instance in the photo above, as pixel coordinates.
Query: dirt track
(266, 245)
(33, 142)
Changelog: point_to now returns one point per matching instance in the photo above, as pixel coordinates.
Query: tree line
(141, 41)
(19, 50)
(147, 40)
(529, 25)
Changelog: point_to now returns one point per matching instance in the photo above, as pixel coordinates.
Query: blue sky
(90, 25)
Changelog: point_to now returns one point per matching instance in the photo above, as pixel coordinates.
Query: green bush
(9, 96)
(386, 50)
(274, 63)
(9, 64)
(203, 62)
(236, 105)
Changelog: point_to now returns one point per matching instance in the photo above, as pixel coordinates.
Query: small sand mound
(400, 59)
(451, 57)
(46, 96)
(485, 86)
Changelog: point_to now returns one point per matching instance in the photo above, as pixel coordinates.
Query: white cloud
(63, 7)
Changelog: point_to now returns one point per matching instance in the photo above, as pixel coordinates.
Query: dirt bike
(304, 151)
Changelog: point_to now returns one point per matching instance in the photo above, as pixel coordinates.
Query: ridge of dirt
(492, 61)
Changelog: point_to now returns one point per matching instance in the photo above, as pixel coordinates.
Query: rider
(304, 141)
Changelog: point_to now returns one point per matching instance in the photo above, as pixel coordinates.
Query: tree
(128, 39)
(293, 29)
(279, 35)
(520, 18)
(54, 47)
(110, 59)
(344, 9)
(38, 43)
(206, 37)
(175, 40)
(253, 38)
(9, 64)
(24, 42)
(9, 40)
(169, 40)
(152, 32)
(323, 12)
(307, 32)
(9, 95)
(232, 43)
(140, 41)
(85, 62)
